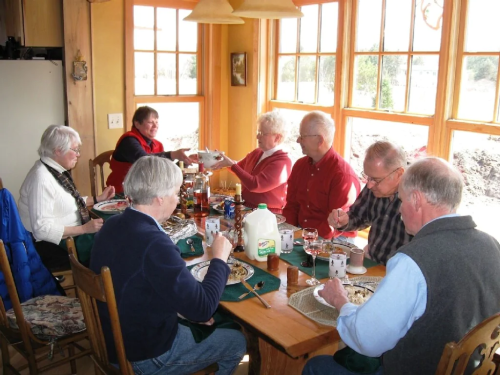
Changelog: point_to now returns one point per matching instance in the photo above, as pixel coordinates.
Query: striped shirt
(387, 233)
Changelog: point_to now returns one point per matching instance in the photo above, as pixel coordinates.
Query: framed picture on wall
(238, 69)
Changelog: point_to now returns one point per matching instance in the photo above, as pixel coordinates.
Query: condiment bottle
(201, 190)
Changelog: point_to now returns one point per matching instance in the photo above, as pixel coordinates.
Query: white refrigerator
(31, 99)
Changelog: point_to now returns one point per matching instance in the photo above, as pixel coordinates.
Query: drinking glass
(314, 248)
(309, 234)
(232, 237)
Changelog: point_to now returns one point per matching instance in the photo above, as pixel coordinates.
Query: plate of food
(356, 294)
(335, 245)
(115, 206)
(239, 270)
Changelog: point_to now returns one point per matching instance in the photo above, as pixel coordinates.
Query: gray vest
(461, 266)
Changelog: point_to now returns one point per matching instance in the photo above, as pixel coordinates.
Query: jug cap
(262, 206)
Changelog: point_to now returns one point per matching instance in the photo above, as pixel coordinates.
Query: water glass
(212, 227)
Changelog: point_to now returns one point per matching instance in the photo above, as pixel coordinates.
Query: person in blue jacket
(153, 285)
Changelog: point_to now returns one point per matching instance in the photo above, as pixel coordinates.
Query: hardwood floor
(85, 366)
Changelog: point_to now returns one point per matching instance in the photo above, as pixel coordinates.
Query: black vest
(461, 266)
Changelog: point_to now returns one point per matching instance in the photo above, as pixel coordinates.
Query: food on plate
(222, 191)
(119, 206)
(358, 295)
(237, 272)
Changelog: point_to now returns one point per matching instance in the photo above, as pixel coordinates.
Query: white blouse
(44, 206)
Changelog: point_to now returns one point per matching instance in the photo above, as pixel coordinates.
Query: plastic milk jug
(261, 234)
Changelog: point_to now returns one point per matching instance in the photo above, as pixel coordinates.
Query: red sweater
(119, 169)
(266, 181)
(314, 190)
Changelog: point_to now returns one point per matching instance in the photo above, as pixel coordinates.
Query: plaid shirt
(387, 233)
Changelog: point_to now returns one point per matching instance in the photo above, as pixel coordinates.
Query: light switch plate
(115, 120)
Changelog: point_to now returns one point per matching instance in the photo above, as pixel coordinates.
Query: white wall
(31, 99)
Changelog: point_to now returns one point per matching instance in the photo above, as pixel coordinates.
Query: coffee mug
(212, 227)
(286, 241)
(357, 257)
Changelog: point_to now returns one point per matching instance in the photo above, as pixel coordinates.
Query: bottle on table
(201, 189)
(261, 234)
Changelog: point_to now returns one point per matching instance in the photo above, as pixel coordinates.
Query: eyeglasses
(260, 134)
(307, 135)
(367, 179)
(75, 150)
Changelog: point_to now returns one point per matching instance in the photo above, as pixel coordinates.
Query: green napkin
(186, 251)
(232, 292)
(298, 255)
(201, 332)
(83, 244)
(355, 362)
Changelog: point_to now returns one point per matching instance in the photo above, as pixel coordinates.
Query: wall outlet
(115, 120)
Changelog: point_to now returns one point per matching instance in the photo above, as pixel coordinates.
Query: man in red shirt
(320, 181)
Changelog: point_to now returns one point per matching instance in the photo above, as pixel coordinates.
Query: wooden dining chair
(40, 326)
(92, 288)
(486, 337)
(99, 160)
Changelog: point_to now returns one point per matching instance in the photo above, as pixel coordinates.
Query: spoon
(257, 286)
(190, 242)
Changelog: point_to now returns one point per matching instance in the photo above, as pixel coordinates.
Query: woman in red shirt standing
(138, 142)
(264, 171)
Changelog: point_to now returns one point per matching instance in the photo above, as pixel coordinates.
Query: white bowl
(209, 158)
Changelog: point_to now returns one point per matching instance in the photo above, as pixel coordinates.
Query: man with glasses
(378, 204)
(320, 181)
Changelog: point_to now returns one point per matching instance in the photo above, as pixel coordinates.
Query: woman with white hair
(153, 285)
(51, 207)
(264, 172)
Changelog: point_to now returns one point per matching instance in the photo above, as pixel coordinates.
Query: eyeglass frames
(367, 179)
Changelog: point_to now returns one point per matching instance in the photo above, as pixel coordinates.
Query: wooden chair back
(92, 288)
(486, 336)
(23, 340)
(99, 160)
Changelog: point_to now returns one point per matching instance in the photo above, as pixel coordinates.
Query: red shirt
(119, 169)
(314, 190)
(266, 181)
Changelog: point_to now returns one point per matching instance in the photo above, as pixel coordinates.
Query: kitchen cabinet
(35, 23)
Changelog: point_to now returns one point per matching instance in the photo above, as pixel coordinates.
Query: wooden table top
(281, 326)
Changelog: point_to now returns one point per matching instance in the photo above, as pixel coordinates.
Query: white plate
(351, 290)
(344, 245)
(200, 270)
(115, 206)
(217, 198)
(360, 271)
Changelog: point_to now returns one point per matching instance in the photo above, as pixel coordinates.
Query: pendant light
(272, 9)
(213, 11)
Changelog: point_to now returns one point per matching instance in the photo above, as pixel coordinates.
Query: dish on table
(238, 270)
(218, 198)
(112, 207)
(356, 294)
(336, 245)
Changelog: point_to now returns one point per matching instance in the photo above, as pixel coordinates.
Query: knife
(250, 289)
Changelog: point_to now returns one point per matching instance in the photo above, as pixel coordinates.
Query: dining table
(280, 339)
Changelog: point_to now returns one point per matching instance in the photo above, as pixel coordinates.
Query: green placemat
(232, 292)
(298, 255)
(186, 251)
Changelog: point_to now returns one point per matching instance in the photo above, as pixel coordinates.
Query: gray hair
(57, 137)
(321, 124)
(437, 180)
(392, 156)
(151, 177)
(275, 122)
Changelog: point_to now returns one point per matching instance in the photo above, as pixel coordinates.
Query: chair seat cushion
(51, 316)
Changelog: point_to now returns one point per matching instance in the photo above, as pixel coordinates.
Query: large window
(166, 67)
(393, 85)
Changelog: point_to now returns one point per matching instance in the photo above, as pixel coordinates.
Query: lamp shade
(213, 11)
(272, 9)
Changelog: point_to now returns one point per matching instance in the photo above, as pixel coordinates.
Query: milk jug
(261, 234)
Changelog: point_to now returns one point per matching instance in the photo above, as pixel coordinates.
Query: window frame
(131, 99)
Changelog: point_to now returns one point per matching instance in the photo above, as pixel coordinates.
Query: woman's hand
(93, 226)
(106, 195)
(221, 247)
(180, 154)
(225, 162)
